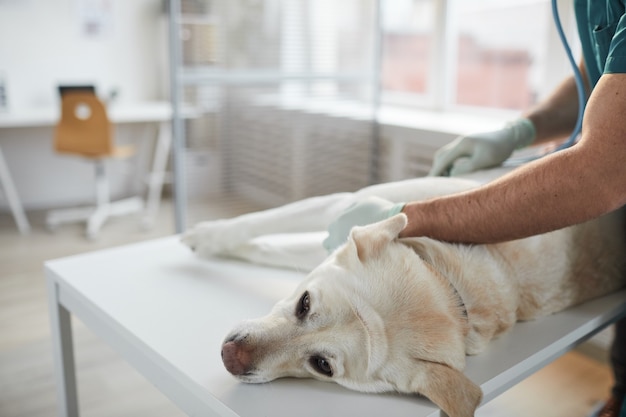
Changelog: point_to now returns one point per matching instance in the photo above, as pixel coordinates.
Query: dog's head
(373, 317)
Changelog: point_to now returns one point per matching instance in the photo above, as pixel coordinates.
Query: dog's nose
(236, 358)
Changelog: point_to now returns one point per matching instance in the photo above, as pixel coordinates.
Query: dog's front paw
(212, 238)
(189, 238)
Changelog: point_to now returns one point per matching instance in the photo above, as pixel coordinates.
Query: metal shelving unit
(288, 91)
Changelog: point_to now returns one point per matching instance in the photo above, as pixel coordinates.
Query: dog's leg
(416, 189)
(299, 251)
(223, 237)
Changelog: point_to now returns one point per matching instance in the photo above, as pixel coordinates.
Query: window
(447, 54)
(408, 40)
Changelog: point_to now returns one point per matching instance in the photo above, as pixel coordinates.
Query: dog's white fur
(388, 314)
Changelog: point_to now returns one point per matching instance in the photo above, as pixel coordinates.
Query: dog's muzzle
(237, 358)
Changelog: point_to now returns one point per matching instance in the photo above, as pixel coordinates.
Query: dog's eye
(303, 305)
(321, 365)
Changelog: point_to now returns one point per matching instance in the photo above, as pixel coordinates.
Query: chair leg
(102, 184)
(105, 208)
(95, 222)
(97, 218)
(126, 206)
(56, 217)
(97, 215)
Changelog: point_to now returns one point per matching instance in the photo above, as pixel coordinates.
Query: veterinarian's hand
(482, 150)
(368, 211)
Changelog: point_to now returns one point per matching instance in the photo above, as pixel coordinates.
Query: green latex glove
(368, 211)
(482, 150)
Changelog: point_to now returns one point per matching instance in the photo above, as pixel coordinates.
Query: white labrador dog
(388, 314)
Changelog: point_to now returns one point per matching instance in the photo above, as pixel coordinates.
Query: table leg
(14, 201)
(60, 320)
(158, 172)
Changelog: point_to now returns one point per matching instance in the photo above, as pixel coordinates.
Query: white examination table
(166, 312)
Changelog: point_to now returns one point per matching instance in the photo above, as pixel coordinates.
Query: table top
(165, 306)
(122, 112)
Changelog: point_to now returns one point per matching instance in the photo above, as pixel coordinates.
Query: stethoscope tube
(577, 77)
(579, 87)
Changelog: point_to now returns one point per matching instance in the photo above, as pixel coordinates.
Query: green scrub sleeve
(616, 60)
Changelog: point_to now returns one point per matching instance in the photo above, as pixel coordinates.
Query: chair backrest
(84, 127)
(76, 88)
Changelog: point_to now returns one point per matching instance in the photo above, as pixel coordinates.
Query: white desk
(166, 312)
(119, 113)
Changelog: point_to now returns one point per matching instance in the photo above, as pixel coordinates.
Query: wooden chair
(85, 130)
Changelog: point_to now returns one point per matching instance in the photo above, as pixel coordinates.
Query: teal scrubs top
(602, 31)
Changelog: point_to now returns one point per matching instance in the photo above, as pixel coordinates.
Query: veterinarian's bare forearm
(565, 188)
(555, 116)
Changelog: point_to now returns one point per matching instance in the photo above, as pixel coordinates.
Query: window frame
(440, 94)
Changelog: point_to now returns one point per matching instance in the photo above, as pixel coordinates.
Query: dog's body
(387, 314)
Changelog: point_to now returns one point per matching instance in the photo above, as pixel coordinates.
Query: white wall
(41, 46)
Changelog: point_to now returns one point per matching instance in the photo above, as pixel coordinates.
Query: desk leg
(157, 174)
(63, 351)
(14, 201)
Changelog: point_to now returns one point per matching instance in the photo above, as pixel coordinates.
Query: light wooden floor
(108, 387)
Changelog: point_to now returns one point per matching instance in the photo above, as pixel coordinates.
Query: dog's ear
(449, 388)
(370, 240)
